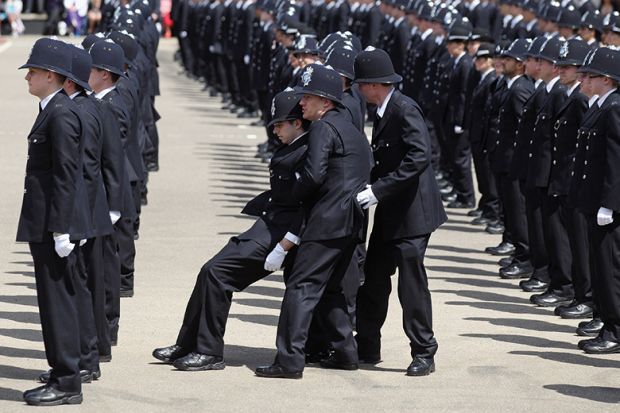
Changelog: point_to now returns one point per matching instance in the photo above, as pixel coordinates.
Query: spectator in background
(94, 15)
(13, 10)
(54, 9)
(75, 14)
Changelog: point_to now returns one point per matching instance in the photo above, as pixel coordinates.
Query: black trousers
(316, 275)
(513, 202)
(579, 238)
(239, 264)
(461, 166)
(112, 287)
(489, 197)
(89, 359)
(125, 229)
(534, 199)
(233, 80)
(556, 218)
(94, 263)
(605, 255)
(383, 257)
(247, 95)
(58, 300)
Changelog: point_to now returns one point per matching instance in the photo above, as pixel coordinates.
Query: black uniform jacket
(277, 210)
(457, 88)
(540, 154)
(477, 116)
(93, 149)
(597, 172)
(352, 102)
(55, 198)
(511, 106)
(336, 169)
(564, 141)
(402, 178)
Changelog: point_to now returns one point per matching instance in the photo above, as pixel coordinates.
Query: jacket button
(554, 162)
(269, 200)
(584, 176)
(25, 190)
(530, 155)
(264, 212)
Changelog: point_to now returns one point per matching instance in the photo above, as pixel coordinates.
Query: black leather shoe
(170, 353)
(96, 374)
(522, 270)
(277, 372)
(590, 328)
(533, 285)
(126, 293)
(581, 343)
(506, 261)
(549, 299)
(105, 358)
(86, 376)
(481, 221)
(495, 228)
(575, 310)
(446, 189)
(199, 362)
(460, 205)
(313, 358)
(333, 363)
(602, 347)
(152, 167)
(369, 358)
(448, 198)
(504, 248)
(475, 213)
(421, 367)
(50, 396)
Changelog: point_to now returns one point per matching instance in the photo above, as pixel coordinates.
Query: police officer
(409, 210)
(54, 217)
(245, 259)
(336, 169)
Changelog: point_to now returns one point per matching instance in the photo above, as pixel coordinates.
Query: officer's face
(547, 70)
(600, 84)
(568, 75)
(586, 85)
(286, 130)
(38, 82)
(96, 79)
(482, 64)
(472, 47)
(586, 33)
(455, 48)
(532, 67)
(313, 107)
(613, 39)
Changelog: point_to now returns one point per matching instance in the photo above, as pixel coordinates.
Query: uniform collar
(512, 80)
(381, 109)
(47, 99)
(485, 74)
(426, 34)
(552, 83)
(573, 88)
(592, 101)
(104, 92)
(75, 94)
(604, 97)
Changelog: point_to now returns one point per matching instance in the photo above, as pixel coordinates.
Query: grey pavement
(497, 352)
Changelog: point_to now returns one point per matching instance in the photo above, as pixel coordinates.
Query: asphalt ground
(497, 352)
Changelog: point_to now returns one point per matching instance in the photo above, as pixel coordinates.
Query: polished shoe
(50, 396)
(152, 166)
(369, 358)
(506, 261)
(96, 374)
(522, 270)
(448, 197)
(113, 342)
(504, 248)
(314, 358)
(460, 205)
(199, 362)
(549, 299)
(447, 189)
(475, 213)
(533, 286)
(277, 372)
(495, 228)
(86, 376)
(332, 362)
(575, 310)
(442, 183)
(602, 347)
(105, 358)
(126, 293)
(170, 353)
(481, 221)
(590, 328)
(582, 343)
(421, 367)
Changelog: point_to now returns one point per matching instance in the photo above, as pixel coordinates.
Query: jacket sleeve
(92, 155)
(65, 131)
(113, 159)
(314, 171)
(415, 137)
(459, 115)
(611, 184)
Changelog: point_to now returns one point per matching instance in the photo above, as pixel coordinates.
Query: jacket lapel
(386, 116)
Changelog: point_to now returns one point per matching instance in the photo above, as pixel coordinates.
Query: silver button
(530, 155)
(269, 199)
(554, 162)
(264, 212)
(584, 176)
(25, 190)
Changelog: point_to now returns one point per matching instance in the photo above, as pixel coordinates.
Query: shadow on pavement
(21, 353)
(30, 300)
(259, 302)
(263, 319)
(485, 296)
(594, 393)
(11, 394)
(21, 316)
(475, 282)
(503, 307)
(531, 341)
(267, 291)
(250, 357)
(460, 270)
(18, 373)
(24, 273)
(461, 260)
(572, 358)
(531, 325)
(22, 334)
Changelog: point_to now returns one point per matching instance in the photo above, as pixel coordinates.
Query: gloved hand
(82, 242)
(274, 260)
(246, 59)
(115, 216)
(62, 245)
(458, 130)
(605, 216)
(366, 198)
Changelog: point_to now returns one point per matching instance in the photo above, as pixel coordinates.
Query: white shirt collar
(47, 99)
(537, 83)
(531, 24)
(516, 20)
(305, 133)
(381, 109)
(74, 95)
(592, 101)
(426, 34)
(399, 21)
(552, 83)
(458, 59)
(511, 81)
(485, 74)
(573, 88)
(602, 99)
(104, 92)
(473, 5)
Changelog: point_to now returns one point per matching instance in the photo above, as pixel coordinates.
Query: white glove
(115, 216)
(212, 49)
(63, 245)
(274, 260)
(366, 198)
(82, 242)
(458, 130)
(605, 216)
(246, 59)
